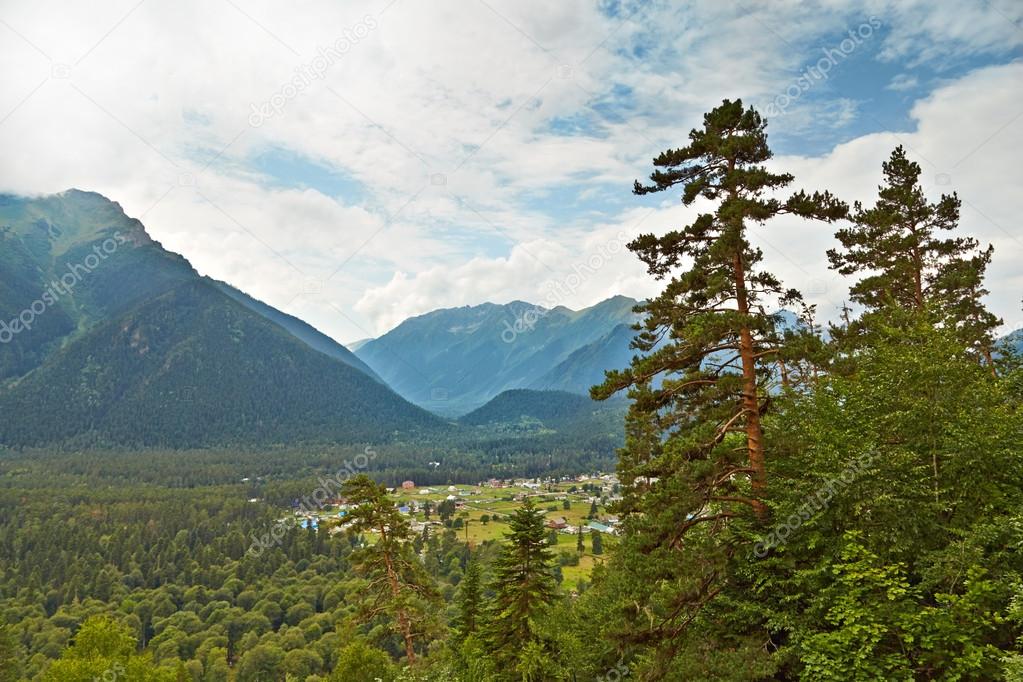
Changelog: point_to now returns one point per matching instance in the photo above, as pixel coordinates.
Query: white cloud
(946, 144)
(150, 103)
(903, 81)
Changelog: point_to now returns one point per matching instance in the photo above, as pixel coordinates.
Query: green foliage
(261, 663)
(104, 649)
(10, 655)
(359, 662)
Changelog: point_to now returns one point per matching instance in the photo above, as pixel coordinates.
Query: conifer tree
(707, 335)
(523, 585)
(694, 460)
(470, 600)
(907, 265)
(398, 584)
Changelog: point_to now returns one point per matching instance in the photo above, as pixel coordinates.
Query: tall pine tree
(707, 335)
(908, 267)
(398, 584)
(695, 457)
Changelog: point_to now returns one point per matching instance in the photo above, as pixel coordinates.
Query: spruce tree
(470, 600)
(523, 585)
(907, 266)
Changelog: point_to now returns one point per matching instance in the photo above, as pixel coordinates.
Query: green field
(495, 504)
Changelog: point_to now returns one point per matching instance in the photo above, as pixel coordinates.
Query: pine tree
(694, 460)
(398, 584)
(908, 267)
(579, 540)
(707, 334)
(523, 584)
(597, 542)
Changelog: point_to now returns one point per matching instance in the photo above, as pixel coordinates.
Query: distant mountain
(550, 407)
(1012, 341)
(107, 338)
(585, 366)
(560, 411)
(454, 360)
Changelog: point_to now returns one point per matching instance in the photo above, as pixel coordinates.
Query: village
(575, 508)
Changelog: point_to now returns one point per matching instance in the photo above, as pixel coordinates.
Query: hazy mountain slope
(550, 407)
(455, 359)
(107, 338)
(301, 330)
(1012, 342)
(356, 345)
(524, 411)
(194, 367)
(585, 367)
(68, 261)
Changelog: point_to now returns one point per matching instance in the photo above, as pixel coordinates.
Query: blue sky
(358, 163)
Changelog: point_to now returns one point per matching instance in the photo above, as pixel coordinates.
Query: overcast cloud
(357, 163)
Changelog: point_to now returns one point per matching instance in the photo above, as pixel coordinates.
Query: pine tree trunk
(403, 621)
(750, 401)
(986, 350)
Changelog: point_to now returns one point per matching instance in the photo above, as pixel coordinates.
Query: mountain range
(454, 360)
(108, 339)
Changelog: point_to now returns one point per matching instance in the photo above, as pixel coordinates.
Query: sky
(358, 163)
